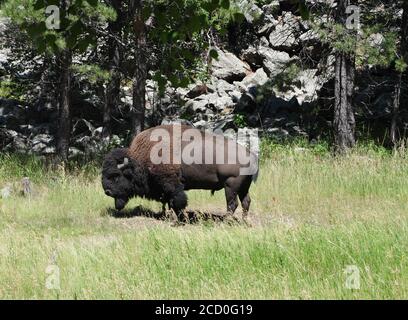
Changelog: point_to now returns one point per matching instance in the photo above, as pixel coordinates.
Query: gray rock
(14, 141)
(168, 121)
(309, 35)
(196, 106)
(271, 8)
(250, 10)
(41, 144)
(235, 95)
(75, 153)
(286, 32)
(211, 101)
(228, 67)
(256, 79)
(201, 124)
(305, 87)
(277, 132)
(222, 86)
(267, 27)
(274, 62)
(221, 125)
(223, 102)
(42, 138)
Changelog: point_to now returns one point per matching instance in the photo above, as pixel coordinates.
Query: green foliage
(336, 36)
(287, 76)
(221, 18)
(240, 120)
(94, 73)
(19, 166)
(375, 44)
(10, 89)
(270, 147)
(76, 31)
(180, 32)
(401, 65)
(381, 54)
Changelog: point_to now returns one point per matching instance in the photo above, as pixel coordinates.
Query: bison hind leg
(231, 197)
(245, 202)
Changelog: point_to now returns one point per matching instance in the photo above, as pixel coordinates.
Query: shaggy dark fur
(133, 179)
(129, 172)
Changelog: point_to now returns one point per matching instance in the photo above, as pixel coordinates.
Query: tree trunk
(64, 123)
(403, 51)
(112, 92)
(395, 112)
(140, 75)
(344, 121)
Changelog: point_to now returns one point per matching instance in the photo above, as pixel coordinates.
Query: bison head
(123, 177)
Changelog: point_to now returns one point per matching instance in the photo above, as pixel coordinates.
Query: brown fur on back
(142, 145)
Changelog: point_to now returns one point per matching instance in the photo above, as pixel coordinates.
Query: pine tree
(401, 68)
(112, 92)
(344, 121)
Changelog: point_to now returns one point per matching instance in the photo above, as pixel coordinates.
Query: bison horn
(124, 164)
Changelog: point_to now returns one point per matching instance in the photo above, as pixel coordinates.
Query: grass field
(313, 216)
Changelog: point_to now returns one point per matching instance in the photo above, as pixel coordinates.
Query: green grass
(312, 216)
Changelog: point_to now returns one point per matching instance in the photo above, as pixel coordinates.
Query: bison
(165, 161)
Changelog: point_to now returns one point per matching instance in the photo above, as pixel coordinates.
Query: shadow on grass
(192, 217)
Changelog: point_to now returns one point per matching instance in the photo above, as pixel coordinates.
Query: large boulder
(272, 61)
(211, 101)
(13, 141)
(228, 67)
(304, 88)
(272, 8)
(286, 33)
(256, 79)
(250, 10)
(42, 144)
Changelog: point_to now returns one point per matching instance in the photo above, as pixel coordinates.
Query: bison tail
(212, 192)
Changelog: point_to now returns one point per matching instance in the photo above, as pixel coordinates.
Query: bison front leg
(178, 202)
(245, 202)
(177, 199)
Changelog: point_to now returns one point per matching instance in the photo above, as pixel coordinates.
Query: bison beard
(129, 172)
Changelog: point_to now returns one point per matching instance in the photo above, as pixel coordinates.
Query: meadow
(321, 227)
